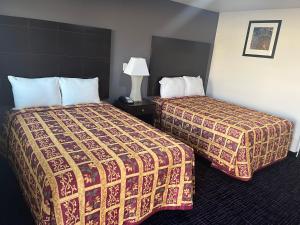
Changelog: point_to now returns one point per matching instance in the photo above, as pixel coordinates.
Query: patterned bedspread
(94, 164)
(237, 140)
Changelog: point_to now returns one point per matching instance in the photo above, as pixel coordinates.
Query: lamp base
(135, 93)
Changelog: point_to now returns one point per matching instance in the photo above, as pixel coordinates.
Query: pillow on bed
(35, 92)
(193, 86)
(172, 87)
(79, 91)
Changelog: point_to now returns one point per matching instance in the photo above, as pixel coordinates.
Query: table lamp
(137, 69)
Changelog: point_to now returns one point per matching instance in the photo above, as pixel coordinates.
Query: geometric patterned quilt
(94, 164)
(237, 140)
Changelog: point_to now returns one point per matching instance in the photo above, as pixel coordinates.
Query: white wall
(269, 85)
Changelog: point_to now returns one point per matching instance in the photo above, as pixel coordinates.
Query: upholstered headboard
(38, 48)
(173, 58)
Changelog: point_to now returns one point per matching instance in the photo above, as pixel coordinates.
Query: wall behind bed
(133, 22)
(270, 85)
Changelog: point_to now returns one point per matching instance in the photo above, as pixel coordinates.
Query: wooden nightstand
(143, 110)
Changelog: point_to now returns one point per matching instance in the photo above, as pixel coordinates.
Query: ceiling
(240, 5)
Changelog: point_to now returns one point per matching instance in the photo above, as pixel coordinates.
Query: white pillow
(79, 91)
(193, 86)
(172, 87)
(35, 92)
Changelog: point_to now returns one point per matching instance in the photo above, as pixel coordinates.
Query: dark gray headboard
(38, 48)
(174, 58)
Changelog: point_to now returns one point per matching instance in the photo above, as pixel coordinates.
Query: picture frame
(262, 37)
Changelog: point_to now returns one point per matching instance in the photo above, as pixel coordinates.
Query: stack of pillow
(171, 87)
(53, 91)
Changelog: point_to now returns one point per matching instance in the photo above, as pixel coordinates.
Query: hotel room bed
(94, 164)
(237, 140)
(84, 164)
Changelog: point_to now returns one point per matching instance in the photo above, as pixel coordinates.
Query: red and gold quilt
(94, 164)
(237, 140)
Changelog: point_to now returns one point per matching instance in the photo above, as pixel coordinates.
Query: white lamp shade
(137, 67)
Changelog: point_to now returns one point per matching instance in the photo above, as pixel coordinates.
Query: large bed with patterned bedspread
(237, 140)
(94, 164)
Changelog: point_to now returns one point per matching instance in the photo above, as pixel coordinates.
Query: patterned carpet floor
(271, 197)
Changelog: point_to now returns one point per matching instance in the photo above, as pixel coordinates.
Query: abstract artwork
(261, 39)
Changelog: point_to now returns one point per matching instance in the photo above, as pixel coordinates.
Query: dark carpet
(271, 197)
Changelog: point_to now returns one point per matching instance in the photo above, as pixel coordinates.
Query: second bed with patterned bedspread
(237, 140)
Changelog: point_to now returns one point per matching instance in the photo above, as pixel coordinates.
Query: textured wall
(133, 22)
(270, 85)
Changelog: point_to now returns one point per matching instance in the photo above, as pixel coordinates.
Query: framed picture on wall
(262, 37)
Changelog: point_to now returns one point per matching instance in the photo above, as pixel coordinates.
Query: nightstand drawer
(139, 110)
(142, 110)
